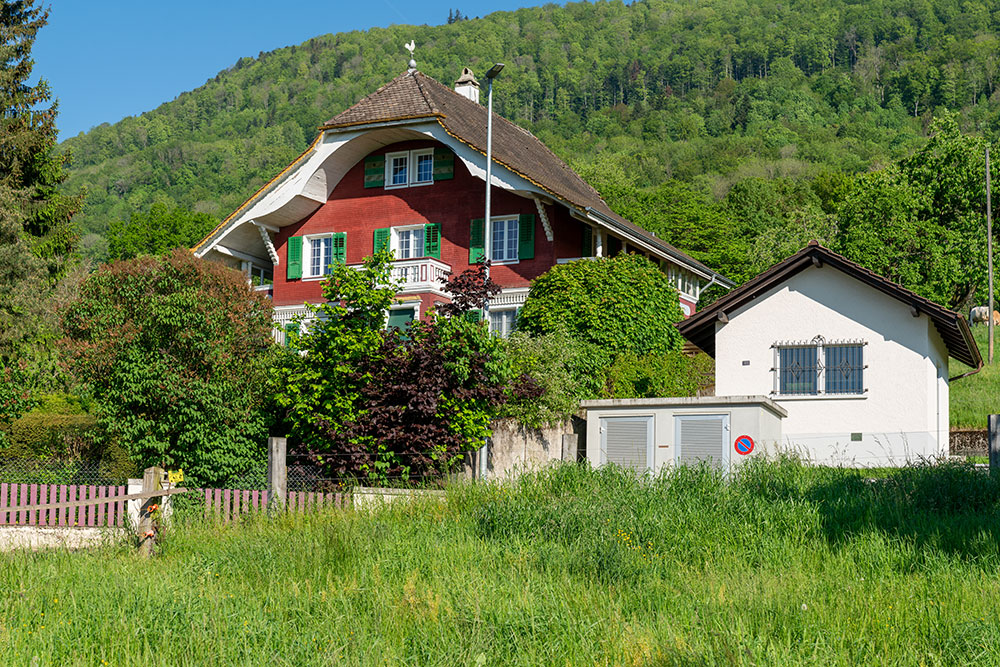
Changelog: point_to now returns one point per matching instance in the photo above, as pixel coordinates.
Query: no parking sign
(744, 445)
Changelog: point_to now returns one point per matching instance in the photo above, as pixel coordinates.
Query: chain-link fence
(29, 471)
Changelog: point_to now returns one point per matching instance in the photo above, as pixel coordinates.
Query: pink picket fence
(105, 510)
(229, 504)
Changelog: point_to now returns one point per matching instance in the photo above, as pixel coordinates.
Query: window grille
(819, 367)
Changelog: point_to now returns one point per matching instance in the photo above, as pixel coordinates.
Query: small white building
(649, 434)
(859, 363)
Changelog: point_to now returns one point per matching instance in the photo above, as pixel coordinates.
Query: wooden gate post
(151, 478)
(993, 428)
(277, 473)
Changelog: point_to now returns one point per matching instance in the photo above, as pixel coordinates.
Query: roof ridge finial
(413, 63)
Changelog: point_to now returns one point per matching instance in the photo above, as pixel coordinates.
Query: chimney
(467, 86)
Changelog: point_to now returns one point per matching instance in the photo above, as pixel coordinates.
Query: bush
(176, 352)
(621, 304)
(369, 401)
(652, 375)
(42, 436)
(566, 371)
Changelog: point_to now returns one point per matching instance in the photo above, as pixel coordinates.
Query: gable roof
(953, 327)
(414, 95)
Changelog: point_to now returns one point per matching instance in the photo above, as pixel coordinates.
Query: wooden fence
(229, 504)
(104, 510)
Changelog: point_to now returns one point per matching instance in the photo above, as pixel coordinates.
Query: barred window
(818, 367)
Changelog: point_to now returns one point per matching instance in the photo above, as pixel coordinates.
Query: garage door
(702, 438)
(627, 441)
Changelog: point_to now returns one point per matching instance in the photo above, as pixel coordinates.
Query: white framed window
(397, 170)
(423, 166)
(319, 251)
(503, 239)
(320, 254)
(409, 168)
(409, 242)
(818, 367)
(503, 322)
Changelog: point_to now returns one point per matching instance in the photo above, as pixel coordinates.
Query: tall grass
(785, 564)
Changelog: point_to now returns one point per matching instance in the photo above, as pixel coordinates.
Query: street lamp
(491, 74)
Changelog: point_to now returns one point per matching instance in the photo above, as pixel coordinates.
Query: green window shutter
(588, 241)
(294, 260)
(526, 236)
(381, 239)
(475, 315)
(375, 171)
(291, 332)
(432, 240)
(517, 318)
(477, 240)
(340, 248)
(401, 318)
(444, 164)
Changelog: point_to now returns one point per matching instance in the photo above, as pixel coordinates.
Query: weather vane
(410, 47)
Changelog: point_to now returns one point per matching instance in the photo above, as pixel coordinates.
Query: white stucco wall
(902, 416)
(747, 415)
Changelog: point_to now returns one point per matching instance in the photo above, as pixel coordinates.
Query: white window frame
(415, 156)
(395, 243)
(513, 325)
(820, 392)
(307, 242)
(517, 228)
(412, 158)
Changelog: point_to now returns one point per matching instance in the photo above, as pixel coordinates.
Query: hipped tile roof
(413, 95)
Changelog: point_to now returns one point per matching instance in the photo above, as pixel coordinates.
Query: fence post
(277, 472)
(151, 478)
(993, 427)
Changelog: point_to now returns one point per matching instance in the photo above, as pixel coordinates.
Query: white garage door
(627, 441)
(702, 438)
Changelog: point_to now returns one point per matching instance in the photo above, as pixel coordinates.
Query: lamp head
(492, 72)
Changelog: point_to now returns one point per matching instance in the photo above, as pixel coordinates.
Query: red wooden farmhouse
(404, 168)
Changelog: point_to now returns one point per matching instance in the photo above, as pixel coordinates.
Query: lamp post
(491, 74)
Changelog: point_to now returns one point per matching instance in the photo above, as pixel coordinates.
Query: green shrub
(652, 375)
(567, 370)
(39, 435)
(176, 352)
(621, 304)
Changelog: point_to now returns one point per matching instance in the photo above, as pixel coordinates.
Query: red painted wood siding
(359, 211)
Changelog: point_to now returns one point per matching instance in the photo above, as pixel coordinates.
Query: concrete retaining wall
(39, 537)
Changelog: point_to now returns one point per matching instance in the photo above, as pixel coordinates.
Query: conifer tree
(36, 235)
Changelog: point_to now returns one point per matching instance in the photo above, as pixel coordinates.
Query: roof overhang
(951, 326)
(307, 183)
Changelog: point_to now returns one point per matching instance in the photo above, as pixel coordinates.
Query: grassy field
(978, 395)
(787, 565)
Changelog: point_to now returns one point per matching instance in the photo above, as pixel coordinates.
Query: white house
(859, 363)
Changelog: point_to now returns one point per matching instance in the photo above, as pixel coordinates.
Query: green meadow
(976, 396)
(784, 564)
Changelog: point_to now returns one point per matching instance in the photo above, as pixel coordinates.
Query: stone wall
(515, 448)
(969, 442)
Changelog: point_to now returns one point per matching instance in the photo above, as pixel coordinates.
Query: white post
(598, 243)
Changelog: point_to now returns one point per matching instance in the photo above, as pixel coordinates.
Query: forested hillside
(735, 112)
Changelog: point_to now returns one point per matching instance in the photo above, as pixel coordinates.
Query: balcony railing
(418, 275)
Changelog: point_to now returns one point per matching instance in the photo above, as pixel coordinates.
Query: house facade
(405, 169)
(859, 364)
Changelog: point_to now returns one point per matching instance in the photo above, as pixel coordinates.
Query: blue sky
(108, 59)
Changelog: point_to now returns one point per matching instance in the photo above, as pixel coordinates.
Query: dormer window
(408, 168)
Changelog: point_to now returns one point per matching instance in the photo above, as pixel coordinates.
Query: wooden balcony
(418, 275)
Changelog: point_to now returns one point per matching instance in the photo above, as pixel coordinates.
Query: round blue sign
(744, 445)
